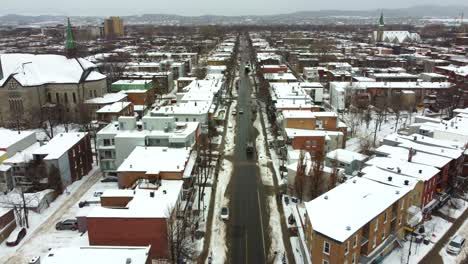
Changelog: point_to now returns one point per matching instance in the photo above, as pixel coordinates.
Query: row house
(365, 220)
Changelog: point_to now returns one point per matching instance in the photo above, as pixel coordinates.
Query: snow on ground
(453, 212)
(451, 259)
(33, 244)
(267, 176)
(275, 232)
(41, 134)
(435, 228)
(295, 243)
(218, 246)
(387, 127)
(204, 204)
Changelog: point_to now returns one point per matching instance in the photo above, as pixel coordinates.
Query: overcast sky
(196, 7)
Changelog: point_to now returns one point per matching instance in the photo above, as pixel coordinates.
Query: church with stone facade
(30, 82)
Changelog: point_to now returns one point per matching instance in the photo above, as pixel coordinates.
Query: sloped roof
(33, 70)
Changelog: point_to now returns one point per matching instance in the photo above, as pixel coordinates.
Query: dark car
(69, 224)
(250, 147)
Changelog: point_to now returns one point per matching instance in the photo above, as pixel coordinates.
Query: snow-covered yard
(434, 228)
(42, 234)
(454, 208)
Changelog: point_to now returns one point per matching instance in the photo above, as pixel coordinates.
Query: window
(346, 251)
(375, 242)
(402, 203)
(326, 247)
(353, 259)
(194, 120)
(177, 119)
(355, 241)
(325, 261)
(57, 98)
(65, 97)
(74, 98)
(376, 224)
(385, 217)
(13, 85)
(95, 95)
(383, 234)
(399, 220)
(186, 119)
(90, 93)
(49, 97)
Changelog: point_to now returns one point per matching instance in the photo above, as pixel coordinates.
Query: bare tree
(365, 144)
(316, 174)
(36, 173)
(334, 173)
(180, 235)
(19, 202)
(300, 175)
(379, 118)
(397, 107)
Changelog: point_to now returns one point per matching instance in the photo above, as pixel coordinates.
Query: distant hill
(325, 16)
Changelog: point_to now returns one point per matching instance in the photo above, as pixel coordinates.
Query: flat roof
(97, 255)
(419, 171)
(154, 160)
(113, 108)
(59, 145)
(146, 203)
(342, 211)
(9, 137)
(108, 98)
(419, 157)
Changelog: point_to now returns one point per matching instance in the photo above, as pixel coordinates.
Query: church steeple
(380, 29)
(70, 44)
(381, 20)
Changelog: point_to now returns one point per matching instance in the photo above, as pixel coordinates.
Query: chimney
(410, 155)
(164, 192)
(406, 182)
(420, 171)
(398, 170)
(152, 194)
(415, 138)
(389, 179)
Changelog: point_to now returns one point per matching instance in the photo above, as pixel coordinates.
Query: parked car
(234, 112)
(69, 224)
(225, 213)
(456, 245)
(241, 111)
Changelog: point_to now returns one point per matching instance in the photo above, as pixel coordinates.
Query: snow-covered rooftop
(33, 70)
(348, 207)
(107, 98)
(418, 157)
(113, 108)
(23, 156)
(97, 255)
(9, 137)
(419, 171)
(59, 145)
(144, 204)
(154, 160)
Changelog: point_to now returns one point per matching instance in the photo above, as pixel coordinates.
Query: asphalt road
(247, 219)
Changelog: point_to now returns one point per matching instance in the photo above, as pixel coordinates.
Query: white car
(234, 112)
(225, 213)
(456, 245)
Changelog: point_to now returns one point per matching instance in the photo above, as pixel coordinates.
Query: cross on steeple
(70, 44)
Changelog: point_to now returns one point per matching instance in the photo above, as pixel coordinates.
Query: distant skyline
(197, 7)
